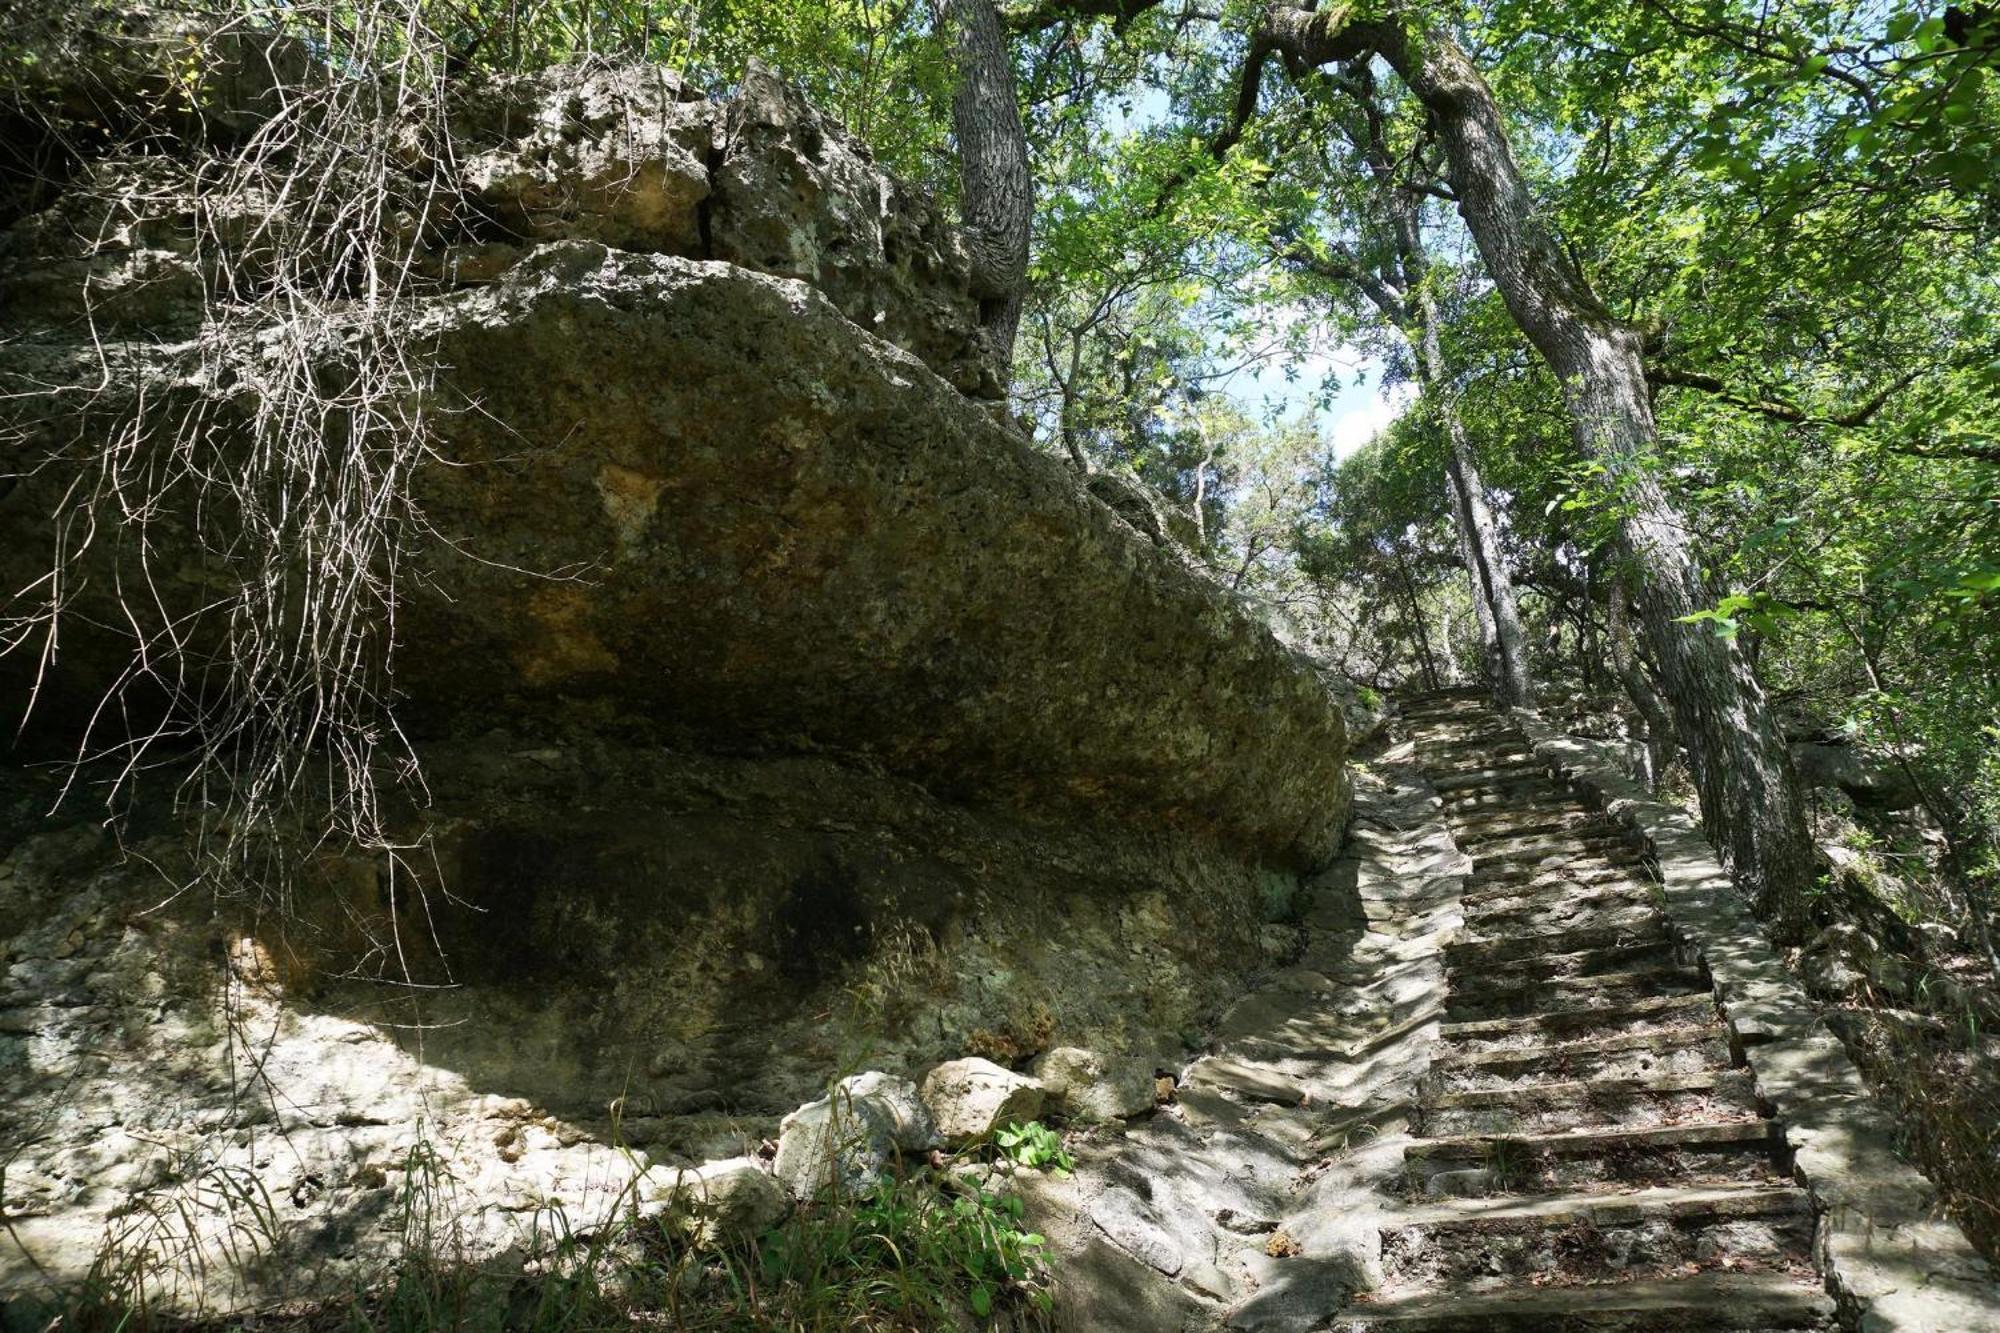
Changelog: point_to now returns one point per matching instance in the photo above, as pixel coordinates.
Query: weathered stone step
(1473, 996)
(1573, 1024)
(1688, 1050)
(1530, 847)
(1564, 961)
(1468, 826)
(1700, 1153)
(1704, 1303)
(1532, 824)
(1634, 1103)
(1452, 747)
(1479, 777)
(1442, 722)
(1609, 928)
(1452, 702)
(1521, 872)
(1556, 898)
(1598, 1237)
(1507, 799)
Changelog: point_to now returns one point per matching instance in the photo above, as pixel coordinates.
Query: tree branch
(1777, 409)
(1049, 13)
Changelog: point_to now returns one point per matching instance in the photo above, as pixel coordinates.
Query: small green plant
(904, 1254)
(1036, 1146)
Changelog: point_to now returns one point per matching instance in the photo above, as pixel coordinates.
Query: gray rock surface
(772, 697)
(971, 1098)
(849, 555)
(1096, 1085)
(1235, 1208)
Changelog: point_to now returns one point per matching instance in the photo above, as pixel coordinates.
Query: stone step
(1654, 1014)
(1431, 717)
(1507, 799)
(1704, 1303)
(1474, 756)
(1447, 704)
(1631, 1103)
(1521, 871)
(1508, 792)
(1742, 1151)
(1474, 997)
(1685, 1050)
(1543, 833)
(1555, 849)
(1478, 825)
(1454, 746)
(1534, 824)
(1586, 1237)
(1611, 927)
(1539, 904)
(1562, 961)
(1441, 737)
(1497, 772)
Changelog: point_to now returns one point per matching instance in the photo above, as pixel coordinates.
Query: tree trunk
(996, 192)
(1638, 685)
(1749, 795)
(1418, 635)
(1506, 645)
(1482, 609)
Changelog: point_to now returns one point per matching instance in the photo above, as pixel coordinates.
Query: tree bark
(1750, 797)
(1638, 685)
(996, 191)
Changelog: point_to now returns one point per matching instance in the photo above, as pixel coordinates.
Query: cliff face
(779, 705)
(751, 518)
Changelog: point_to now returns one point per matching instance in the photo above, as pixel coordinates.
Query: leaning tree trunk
(1749, 794)
(996, 192)
(1482, 610)
(1505, 644)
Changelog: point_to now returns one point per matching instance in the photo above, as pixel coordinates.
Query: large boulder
(719, 1203)
(671, 492)
(853, 1137)
(971, 1098)
(1096, 1085)
(780, 526)
(683, 496)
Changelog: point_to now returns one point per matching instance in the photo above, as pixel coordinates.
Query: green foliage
(903, 1252)
(1035, 1146)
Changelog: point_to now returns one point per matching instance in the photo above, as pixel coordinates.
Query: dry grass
(279, 446)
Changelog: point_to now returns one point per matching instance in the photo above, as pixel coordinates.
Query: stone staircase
(1590, 1154)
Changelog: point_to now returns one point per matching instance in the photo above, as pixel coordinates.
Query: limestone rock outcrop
(720, 1203)
(702, 493)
